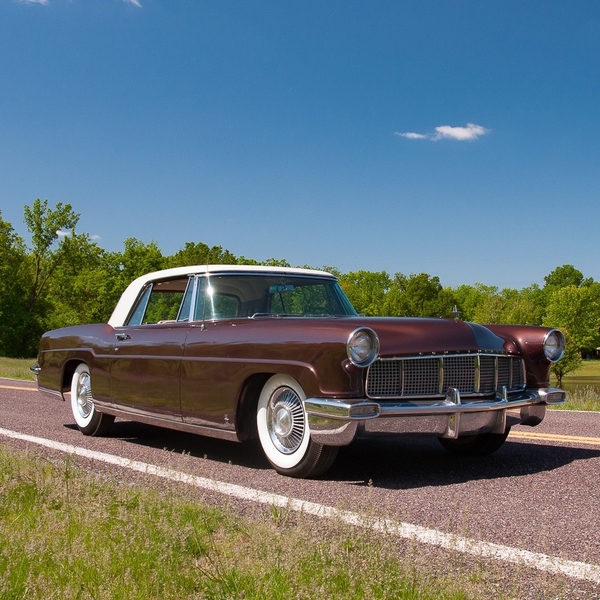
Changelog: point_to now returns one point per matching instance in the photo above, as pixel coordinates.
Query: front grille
(471, 374)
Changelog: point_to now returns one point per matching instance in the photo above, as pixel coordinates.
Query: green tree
(137, 259)
(525, 307)
(366, 290)
(468, 298)
(570, 361)
(478, 303)
(200, 254)
(14, 289)
(46, 225)
(84, 288)
(577, 312)
(564, 276)
(418, 295)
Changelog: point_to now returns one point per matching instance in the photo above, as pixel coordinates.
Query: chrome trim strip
(452, 403)
(50, 392)
(339, 409)
(496, 374)
(178, 425)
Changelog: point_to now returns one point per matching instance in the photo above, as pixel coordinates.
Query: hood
(413, 336)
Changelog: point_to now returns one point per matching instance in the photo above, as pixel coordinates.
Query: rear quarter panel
(62, 349)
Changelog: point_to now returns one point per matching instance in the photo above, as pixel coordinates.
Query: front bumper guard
(338, 422)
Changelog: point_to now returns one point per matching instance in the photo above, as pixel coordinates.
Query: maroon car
(280, 354)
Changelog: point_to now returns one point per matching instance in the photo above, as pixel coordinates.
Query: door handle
(121, 337)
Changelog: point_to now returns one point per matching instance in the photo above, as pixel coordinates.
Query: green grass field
(589, 368)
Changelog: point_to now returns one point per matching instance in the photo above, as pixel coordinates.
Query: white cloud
(412, 136)
(134, 2)
(469, 133)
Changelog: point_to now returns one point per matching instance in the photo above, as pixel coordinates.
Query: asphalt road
(539, 493)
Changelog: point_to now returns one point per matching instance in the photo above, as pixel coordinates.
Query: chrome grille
(471, 374)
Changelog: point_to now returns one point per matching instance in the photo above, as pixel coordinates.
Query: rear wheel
(475, 445)
(89, 420)
(284, 433)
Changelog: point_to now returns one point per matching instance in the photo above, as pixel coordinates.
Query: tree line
(62, 277)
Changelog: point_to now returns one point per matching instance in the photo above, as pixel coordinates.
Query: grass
(589, 368)
(66, 533)
(16, 368)
(581, 398)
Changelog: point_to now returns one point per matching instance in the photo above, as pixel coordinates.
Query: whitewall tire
(89, 420)
(284, 432)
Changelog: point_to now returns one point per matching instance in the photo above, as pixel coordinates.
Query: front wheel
(284, 433)
(475, 445)
(89, 420)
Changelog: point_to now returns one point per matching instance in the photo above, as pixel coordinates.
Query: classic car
(280, 354)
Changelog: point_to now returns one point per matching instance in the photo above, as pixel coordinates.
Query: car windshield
(250, 295)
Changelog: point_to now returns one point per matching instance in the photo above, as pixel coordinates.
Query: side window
(225, 307)
(213, 302)
(186, 305)
(140, 308)
(160, 301)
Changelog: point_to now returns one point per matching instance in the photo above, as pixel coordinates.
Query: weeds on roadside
(583, 398)
(65, 533)
(16, 368)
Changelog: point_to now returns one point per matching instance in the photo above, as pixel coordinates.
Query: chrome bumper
(338, 422)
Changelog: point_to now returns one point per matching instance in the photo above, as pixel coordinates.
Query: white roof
(132, 291)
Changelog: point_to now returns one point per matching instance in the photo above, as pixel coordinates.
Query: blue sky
(460, 139)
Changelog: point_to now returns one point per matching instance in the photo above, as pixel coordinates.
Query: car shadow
(402, 463)
(246, 454)
(422, 462)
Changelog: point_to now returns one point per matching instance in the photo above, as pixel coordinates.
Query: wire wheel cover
(285, 420)
(85, 403)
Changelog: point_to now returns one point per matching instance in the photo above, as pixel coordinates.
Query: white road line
(450, 541)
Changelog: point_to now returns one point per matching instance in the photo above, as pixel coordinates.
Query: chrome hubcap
(85, 404)
(285, 420)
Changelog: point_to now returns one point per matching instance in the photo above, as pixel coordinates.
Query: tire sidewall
(84, 423)
(278, 459)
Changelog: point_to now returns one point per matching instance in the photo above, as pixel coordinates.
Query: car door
(146, 363)
(212, 367)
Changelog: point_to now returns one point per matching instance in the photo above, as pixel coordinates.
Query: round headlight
(554, 345)
(363, 346)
